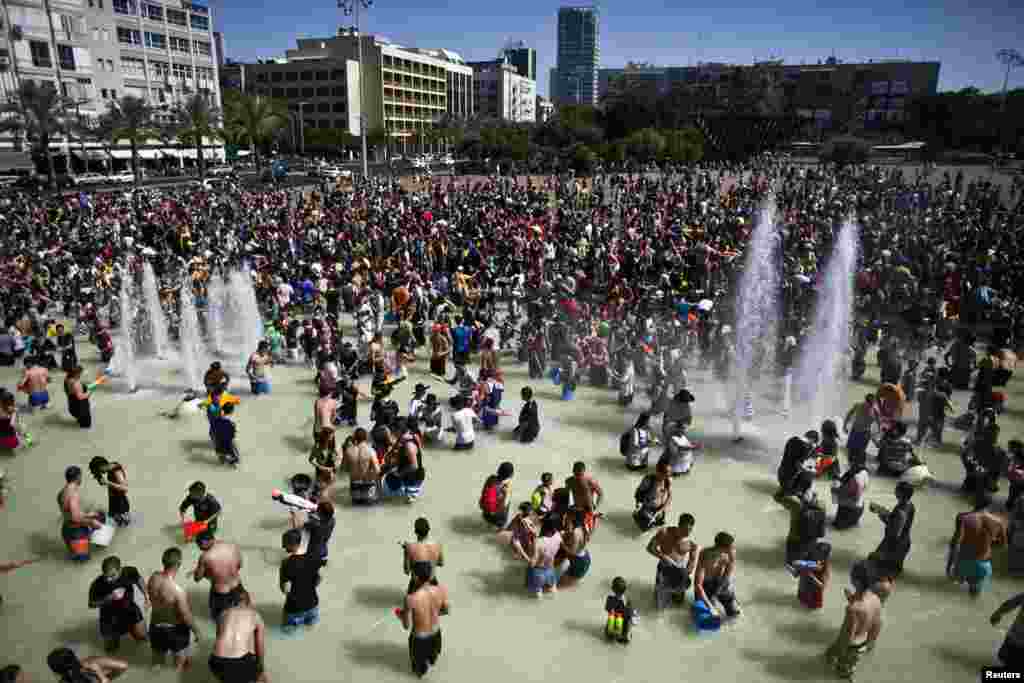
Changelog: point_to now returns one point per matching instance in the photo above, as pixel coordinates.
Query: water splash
(124, 363)
(757, 311)
(819, 379)
(193, 351)
(246, 311)
(217, 304)
(158, 334)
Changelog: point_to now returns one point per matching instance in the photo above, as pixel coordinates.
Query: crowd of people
(623, 281)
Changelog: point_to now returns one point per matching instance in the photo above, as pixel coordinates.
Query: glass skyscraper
(579, 53)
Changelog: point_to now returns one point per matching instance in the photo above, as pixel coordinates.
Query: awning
(120, 154)
(243, 153)
(171, 153)
(16, 161)
(149, 154)
(90, 154)
(187, 153)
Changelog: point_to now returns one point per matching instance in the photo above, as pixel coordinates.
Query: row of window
(293, 76)
(322, 91)
(41, 57)
(158, 70)
(156, 13)
(391, 62)
(158, 41)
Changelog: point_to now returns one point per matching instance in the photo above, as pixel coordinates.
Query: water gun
(292, 501)
(101, 378)
(616, 624)
(801, 566)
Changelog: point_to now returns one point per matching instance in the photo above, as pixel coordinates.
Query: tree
(846, 150)
(376, 137)
(256, 118)
(131, 119)
(195, 120)
(683, 146)
(39, 113)
(645, 145)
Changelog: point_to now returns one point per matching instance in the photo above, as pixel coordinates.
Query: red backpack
(489, 497)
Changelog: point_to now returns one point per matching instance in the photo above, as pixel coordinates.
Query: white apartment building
(502, 93)
(95, 51)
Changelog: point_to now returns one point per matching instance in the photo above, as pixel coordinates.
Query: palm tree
(196, 120)
(131, 119)
(40, 113)
(255, 118)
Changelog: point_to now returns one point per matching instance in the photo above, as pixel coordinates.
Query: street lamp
(351, 8)
(1012, 59)
(302, 129)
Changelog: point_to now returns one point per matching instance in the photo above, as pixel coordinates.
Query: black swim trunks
(118, 623)
(424, 651)
(244, 669)
(219, 602)
(173, 638)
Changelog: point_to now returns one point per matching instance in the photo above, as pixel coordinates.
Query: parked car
(213, 184)
(122, 178)
(220, 171)
(421, 162)
(40, 182)
(91, 179)
(335, 172)
(448, 160)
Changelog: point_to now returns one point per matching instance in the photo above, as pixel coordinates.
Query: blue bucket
(704, 619)
(567, 393)
(556, 375)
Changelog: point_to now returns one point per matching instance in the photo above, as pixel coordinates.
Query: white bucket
(103, 536)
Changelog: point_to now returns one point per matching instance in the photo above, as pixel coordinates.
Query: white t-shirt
(681, 453)
(462, 421)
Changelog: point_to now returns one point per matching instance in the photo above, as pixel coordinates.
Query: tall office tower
(523, 58)
(579, 53)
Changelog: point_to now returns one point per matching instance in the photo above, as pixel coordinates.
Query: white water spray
(248, 322)
(124, 364)
(192, 349)
(819, 378)
(158, 333)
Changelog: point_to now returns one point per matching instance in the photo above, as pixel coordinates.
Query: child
(543, 494)
(813, 574)
(223, 431)
(529, 418)
(621, 615)
(490, 410)
(419, 392)
(431, 418)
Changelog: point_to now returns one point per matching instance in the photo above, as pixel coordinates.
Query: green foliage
(328, 140)
(129, 119)
(40, 114)
(967, 120)
(196, 120)
(252, 120)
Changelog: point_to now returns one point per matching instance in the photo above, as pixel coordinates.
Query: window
(157, 41)
(106, 33)
(277, 92)
(96, 35)
(293, 92)
(176, 17)
(40, 54)
(161, 70)
(66, 57)
(322, 75)
(202, 48)
(291, 76)
(128, 36)
(179, 45)
(337, 75)
(324, 123)
(204, 74)
(307, 92)
(276, 77)
(153, 12)
(71, 26)
(337, 91)
(306, 75)
(181, 71)
(132, 66)
(125, 7)
(324, 107)
(199, 22)
(340, 123)
(339, 107)
(323, 92)
(113, 94)
(100, 3)
(103, 93)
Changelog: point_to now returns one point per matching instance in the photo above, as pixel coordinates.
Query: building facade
(545, 109)
(579, 54)
(613, 81)
(501, 92)
(95, 51)
(405, 91)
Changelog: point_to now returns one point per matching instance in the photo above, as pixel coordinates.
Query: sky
(961, 34)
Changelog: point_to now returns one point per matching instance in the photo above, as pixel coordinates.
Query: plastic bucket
(193, 529)
(103, 536)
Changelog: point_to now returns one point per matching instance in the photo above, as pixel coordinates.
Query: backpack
(626, 442)
(489, 497)
(812, 523)
(645, 491)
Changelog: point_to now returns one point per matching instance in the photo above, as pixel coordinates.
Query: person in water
(240, 649)
(113, 594)
(421, 552)
(421, 615)
(70, 669)
(171, 623)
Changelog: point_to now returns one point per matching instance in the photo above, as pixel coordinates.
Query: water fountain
(819, 379)
(158, 334)
(124, 363)
(192, 347)
(217, 304)
(245, 312)
(757, 312)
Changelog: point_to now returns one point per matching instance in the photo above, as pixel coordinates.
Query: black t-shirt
(101, 588)
(302, 572)
(319, 533)
(203, 509)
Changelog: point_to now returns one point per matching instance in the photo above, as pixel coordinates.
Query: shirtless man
(375, 352)
(221, 563)
(35, 382)
(970, 549)
(258, 369)
(677, 557)
(69, 667)
(77, 526)
(364, 471)
(574, 544)
(240, 649)
(421, 552)
(171, 625)
(860, 628)
(713, 582)
(324, 409)
(421, 614)
(586, 493)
